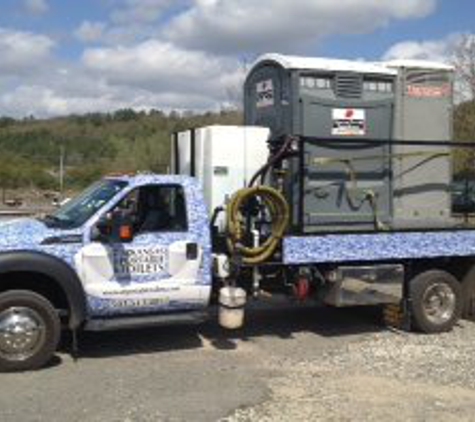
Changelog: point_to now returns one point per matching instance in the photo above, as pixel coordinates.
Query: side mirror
(114, 227)
(126, 232)
(102, 231)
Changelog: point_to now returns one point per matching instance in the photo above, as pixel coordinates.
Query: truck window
(157, 208)
(77, 211)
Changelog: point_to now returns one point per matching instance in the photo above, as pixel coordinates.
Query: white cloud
(149, 75)
(145, 59)
(161, 67)
(38, 100)
(434, 50)
(112, 34)
(58, 90)
(129, 22)
(22, 52)
(239, 26)
(455, 49)
(36, 7)
(47, 100)
(90, 31)
(132, 21)
(140, 11)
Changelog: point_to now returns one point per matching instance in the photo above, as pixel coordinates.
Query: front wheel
(436, 298)
(29, 330)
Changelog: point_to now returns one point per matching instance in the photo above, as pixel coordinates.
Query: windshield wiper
(52, 220)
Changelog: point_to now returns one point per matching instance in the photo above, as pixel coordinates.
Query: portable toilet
(351, 176)
(345, 102)
(422, 173)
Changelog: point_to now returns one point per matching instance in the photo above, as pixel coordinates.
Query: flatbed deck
(380, 246)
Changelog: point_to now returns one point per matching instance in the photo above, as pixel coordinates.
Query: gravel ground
(393, 375)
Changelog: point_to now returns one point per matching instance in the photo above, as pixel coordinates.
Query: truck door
(159, 269)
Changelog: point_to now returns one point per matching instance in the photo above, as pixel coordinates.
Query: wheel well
(38, 283)
(458, 267)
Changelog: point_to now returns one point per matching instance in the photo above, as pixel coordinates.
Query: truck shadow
(286, 323)
(283, 323)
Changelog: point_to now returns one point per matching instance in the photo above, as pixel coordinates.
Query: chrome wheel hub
(439, 303)
(21, 333)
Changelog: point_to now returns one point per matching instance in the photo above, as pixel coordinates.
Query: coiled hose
(279, 211)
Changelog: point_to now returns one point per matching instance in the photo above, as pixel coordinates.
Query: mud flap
(398, 316)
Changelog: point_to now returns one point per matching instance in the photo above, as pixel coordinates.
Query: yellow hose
(280, 215)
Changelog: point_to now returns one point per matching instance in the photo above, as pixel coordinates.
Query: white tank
(222, 158)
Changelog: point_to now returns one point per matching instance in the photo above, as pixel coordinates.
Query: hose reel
(279, 212)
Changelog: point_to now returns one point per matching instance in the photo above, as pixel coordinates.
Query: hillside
(91, 145)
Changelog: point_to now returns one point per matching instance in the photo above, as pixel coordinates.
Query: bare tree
(464, 62)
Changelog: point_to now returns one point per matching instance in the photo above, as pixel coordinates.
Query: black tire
(436, 298)
(39, 326)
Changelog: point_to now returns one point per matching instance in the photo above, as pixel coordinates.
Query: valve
(302, 288)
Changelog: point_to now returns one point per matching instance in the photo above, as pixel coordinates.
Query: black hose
(214, 217)
(272, 160)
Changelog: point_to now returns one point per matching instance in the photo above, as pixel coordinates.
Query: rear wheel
(436, 301)
(29, 330)
(468, 288)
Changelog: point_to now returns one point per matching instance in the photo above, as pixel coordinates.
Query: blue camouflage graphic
(29, 234)
(341, 248)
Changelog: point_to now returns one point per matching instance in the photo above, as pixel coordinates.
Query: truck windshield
(77, 211)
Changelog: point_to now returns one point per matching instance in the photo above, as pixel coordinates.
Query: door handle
(191, 251)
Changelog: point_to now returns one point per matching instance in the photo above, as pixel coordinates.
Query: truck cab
(129, 250)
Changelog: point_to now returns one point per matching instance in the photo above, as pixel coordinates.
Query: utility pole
(61, 172)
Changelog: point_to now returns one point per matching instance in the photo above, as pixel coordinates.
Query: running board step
(123, 323)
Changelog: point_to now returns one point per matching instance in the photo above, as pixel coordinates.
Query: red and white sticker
(417, 91)
(349, 122)
(265, 94)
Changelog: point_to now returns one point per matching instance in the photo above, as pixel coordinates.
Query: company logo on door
(140, 261)
(265, 94)
(349, 122)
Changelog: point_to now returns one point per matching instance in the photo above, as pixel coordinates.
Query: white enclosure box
(222, 158)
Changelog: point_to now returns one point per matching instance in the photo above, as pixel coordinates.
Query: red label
(429, 91)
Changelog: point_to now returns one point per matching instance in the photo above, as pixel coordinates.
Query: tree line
(464, 131)
(91, 145)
